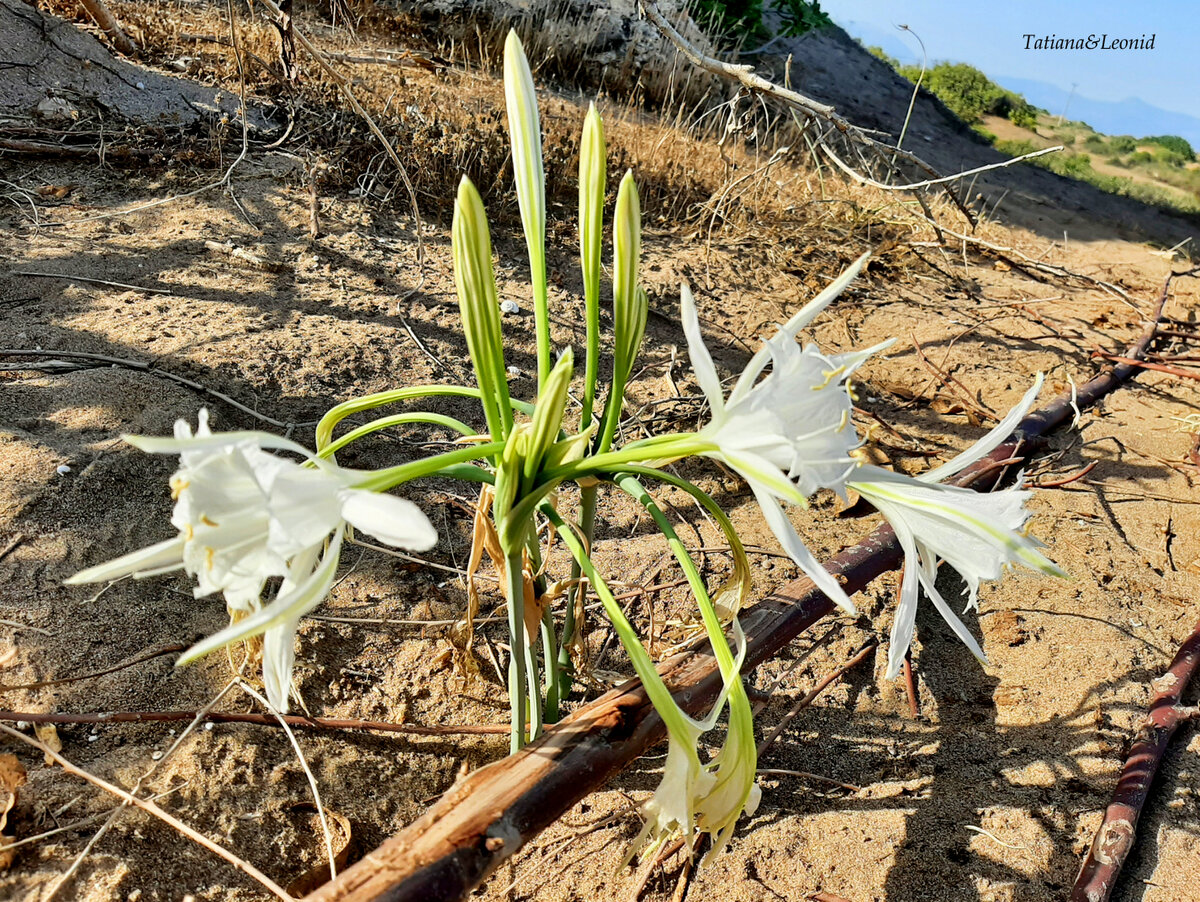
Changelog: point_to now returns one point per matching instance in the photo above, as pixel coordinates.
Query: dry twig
(1114, 840)
(149, 807)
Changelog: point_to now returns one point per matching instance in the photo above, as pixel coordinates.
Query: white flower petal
(392, 520)
(792, 327)
(904, 622)
(994, 438)
(782, 527)
(301, 592)
(278, 658)
(158, 558)
(702, 362)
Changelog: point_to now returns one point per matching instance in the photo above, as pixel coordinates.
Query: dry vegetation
(993, 792)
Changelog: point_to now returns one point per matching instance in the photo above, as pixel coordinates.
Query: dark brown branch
(1114, 840)
(493, 812)
(107, 21)
(262, 720)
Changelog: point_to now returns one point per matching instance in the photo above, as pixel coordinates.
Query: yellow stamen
(829, 375)
(844, 422)
(209, 554)
(207, 522)
(177, 487)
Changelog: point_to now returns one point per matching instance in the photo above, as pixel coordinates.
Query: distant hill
(1131, 116)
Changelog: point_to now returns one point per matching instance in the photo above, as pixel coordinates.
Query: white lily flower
(976, 533)
(244, 516)
(790, 433)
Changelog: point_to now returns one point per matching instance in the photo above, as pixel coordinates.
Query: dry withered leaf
(47, 734)
(340, 836)
(59, 191)
(12, 775)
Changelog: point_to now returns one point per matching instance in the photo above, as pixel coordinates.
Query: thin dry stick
(312, 781)
(1147, 365)
(145, 368)
(89, 281)
(1114, 840)
(107, 21)
(150, 808)
(141, 659)
(262, 720)
(65, 879)
(811, 696)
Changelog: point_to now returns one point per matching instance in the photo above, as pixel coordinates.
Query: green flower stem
(707, 502)
(381, 480)
(399, 419)
(517, 699)
(660, 696)
(663, 447)
(368, 402)
(712, 623)
(587, 524)
(553, 671)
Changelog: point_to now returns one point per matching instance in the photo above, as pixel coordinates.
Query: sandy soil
(993, 793)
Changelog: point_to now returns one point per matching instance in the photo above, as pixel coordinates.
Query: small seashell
(514, 372)
(510, 307)
(62, 469)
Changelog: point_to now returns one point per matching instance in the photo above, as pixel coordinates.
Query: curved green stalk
(394, 396)
(712, 623)
(740, 581)
(381, 480)
(399, 419)
(656, 689)
(656, 448)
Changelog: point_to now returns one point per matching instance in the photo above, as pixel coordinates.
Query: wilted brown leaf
(12, 775)
(47, 734)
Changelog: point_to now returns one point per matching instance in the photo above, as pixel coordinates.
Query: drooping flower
(245, 515)
(790, 433)
(978, 534)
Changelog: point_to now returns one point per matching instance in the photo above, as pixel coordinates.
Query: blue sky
(990, 37)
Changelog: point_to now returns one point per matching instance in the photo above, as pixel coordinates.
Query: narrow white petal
(989, 442)
(295, 600)
(278, 658)
(392, 520)
(762, 474)
(791, 542)
(152, 560)
(960, 629)
(702, 362)
(792, 327)
(906, 611)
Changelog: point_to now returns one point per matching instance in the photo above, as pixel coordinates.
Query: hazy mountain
(1131, 116)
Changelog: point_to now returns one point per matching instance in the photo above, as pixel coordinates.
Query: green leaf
(479, 305)
(525, 133)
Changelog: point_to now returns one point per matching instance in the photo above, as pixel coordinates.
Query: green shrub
(1025, 115)
(1095, 143)
(1015, 148)
(1122, 144)
(730, 21)
(1139, 157)
(990, 137)
(1175, 144)
(801, 16)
